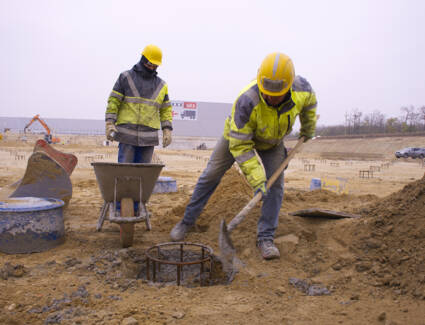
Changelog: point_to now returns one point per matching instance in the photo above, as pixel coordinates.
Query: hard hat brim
(155, 62)
(271, 93)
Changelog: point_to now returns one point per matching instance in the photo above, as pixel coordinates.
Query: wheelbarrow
(125, 183)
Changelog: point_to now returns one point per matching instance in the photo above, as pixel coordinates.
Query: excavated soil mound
(391, 246)
(388, 243)
(231, 195)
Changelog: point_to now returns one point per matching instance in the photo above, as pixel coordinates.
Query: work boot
(179, 231)
(267, 249)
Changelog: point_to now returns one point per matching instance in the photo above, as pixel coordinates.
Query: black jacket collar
(145, 72)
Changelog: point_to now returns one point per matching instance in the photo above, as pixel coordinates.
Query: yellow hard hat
(276, 74)
(153, 53)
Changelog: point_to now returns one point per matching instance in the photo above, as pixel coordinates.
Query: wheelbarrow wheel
(127, 229)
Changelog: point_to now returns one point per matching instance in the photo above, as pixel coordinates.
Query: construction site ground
(373, 267)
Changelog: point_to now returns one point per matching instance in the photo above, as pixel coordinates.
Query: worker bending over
(138, 107)
(263, 113)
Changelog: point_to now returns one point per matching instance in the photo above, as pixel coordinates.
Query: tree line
(411, 120)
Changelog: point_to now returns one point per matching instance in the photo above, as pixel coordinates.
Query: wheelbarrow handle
(257, 197)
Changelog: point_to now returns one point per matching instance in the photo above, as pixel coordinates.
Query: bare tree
(405, 117)
(348, 121)
(411, 117)
(412, 120)
(357, 117)
(421, 112)
(378, 121)
(392, 125)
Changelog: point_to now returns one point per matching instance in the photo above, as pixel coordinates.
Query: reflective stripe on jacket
(254, 125)
(139, 106)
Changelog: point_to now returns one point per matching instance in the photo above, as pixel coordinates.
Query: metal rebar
(178, 274)
(211, 268)
(147, 269)
(202, 266)
(154, 270)
(156, 259)
(158, 255)
(115, 195)
(140, 193)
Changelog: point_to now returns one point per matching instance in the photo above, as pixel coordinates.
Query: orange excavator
(48, 136)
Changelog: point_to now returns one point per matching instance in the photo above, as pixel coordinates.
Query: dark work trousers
(128, 153)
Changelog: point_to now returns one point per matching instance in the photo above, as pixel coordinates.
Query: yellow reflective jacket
(139, 106)
(254, 125)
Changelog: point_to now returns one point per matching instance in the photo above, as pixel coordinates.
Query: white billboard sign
(187, 111)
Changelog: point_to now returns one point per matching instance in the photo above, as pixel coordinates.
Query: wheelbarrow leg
(102, 216)
(144, 212)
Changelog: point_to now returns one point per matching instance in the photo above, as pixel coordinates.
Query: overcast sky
(61, 58)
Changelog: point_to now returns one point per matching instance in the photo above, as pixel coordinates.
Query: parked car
(411, 152)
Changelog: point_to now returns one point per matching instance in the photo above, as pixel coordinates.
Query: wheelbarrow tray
(128, 178)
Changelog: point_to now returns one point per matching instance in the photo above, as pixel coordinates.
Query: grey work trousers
(220, 161)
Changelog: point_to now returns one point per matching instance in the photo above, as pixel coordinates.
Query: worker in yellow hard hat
(262, 115)
(138, 107)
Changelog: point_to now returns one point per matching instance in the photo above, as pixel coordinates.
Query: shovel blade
(227, 252)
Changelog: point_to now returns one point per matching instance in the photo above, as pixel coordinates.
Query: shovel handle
(257, 197)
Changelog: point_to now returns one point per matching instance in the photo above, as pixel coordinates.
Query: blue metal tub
(29, 224)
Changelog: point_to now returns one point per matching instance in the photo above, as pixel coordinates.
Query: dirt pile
(391, 241)
(231, 195)
(388, 242)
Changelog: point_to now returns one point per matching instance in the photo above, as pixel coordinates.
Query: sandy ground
(372, 269)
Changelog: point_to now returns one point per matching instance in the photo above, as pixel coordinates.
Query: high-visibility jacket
(139, 106)
(254, 125)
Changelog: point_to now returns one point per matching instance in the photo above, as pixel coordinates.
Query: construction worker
(138, 107)
(263, 113)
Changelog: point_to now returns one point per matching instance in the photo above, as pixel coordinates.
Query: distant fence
(374, 135)
(67, 132)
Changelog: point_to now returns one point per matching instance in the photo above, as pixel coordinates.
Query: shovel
(227, 250)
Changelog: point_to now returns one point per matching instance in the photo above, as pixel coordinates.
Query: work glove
(261, 188)
(166, 137)
(110, 130)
